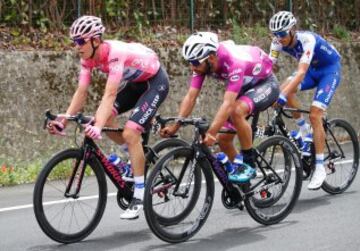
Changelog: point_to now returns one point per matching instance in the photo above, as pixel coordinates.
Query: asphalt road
(318, 222)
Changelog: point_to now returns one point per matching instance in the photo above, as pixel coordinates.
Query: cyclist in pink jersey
(250, 86)
(135, 80)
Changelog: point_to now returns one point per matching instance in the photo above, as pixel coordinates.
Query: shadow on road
(223, 240)
(117, 241)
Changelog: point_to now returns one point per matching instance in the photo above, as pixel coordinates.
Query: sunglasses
(281, 34)
(198, 62)
(80, 41)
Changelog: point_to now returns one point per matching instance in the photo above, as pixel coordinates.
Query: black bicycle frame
(89, 150)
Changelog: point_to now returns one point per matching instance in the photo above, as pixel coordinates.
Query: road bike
(70, 192)
(179, 191)
(341, 156)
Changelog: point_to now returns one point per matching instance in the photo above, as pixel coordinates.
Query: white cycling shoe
(317, 178)
(134, 210)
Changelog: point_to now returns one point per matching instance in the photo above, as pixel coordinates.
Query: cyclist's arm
(223, 113)
(308, 42)
(188, 103)
(297, 79)
(104, 110)
(79, 98)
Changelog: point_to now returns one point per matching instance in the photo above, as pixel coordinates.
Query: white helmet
(199, 45)
(282, 21)
(86, 27)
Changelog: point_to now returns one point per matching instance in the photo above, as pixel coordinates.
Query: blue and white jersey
(310, 49)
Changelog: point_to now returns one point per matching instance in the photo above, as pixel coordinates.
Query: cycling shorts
(259, 97)
(144, 97)
(326, 79)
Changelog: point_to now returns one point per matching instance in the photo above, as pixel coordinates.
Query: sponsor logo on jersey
(161, 88)
(138, 63)
(226, 65)
(326, 49)
(113, 60)
(263, 94)
(307, 53)
(155, 101)
(146, 115)
(321, 91)
(236, 71)
(257, 69)
(234, 78)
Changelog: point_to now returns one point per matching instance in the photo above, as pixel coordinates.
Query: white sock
(319, 162)
(139, 187)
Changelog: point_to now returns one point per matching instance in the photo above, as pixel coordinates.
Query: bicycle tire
(55, 175)
(329, 186)
(263, 214)
(165, 230)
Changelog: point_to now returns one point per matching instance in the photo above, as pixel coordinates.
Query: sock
(249, 157)
(319, 163)
(303, 126)
(139, 187)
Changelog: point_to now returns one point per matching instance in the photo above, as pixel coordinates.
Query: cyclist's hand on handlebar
(56, 127)
(92, 131)
(209, 139)
(168, 131)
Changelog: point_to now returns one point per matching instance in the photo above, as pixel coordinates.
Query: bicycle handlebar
(78, 118)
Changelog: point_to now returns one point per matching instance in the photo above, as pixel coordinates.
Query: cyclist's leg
(140, 119)
(329, 80)
(125, 100)
(226, 141)
(256, 99)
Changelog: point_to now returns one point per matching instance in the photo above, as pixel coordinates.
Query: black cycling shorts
(262, 95)
(258, 97)
(144, 97)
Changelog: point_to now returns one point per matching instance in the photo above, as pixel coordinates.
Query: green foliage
(10, 175)
(341, 32)
(239, 34)
(246, 35)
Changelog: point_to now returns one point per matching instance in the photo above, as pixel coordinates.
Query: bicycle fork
(77, 177)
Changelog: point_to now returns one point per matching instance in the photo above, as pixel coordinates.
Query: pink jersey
(132, 62)
(239, 66)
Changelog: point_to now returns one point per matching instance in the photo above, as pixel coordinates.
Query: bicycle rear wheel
(341, 156)
(277, 186)
(62, 217)
(177, 202)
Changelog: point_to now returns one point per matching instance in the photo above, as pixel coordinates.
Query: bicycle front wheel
(341, 156)
(177, 201)
(69, 217)
(277, 185)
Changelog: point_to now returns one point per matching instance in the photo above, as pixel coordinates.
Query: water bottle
(296, 135)
(123, 167)
(223, 159)
(306, 149)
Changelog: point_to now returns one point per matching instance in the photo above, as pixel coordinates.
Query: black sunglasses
(198, 62)
(79, 41)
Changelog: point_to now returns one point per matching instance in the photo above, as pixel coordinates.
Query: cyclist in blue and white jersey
(319, 67)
